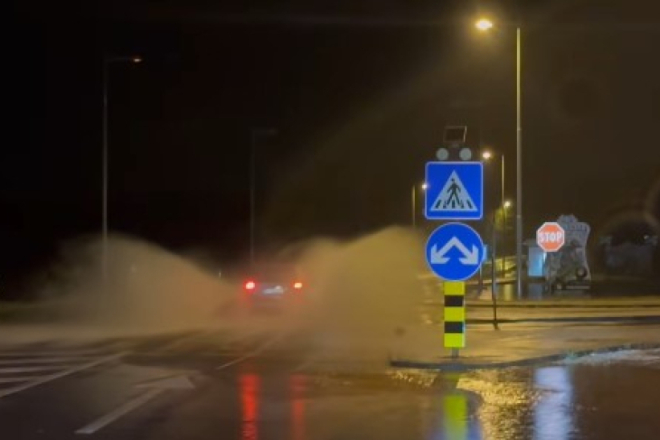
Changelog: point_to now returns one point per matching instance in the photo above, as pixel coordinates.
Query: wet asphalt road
(190, 386)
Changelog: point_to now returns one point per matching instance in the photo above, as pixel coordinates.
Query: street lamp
(423, 186)
(485, 25)
(107, 61)
(487, 155)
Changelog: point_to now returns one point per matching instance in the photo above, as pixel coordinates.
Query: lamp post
(505, 205)
(414, 203)
(255, 135)
(487, 155)
(485, 25)
(107, 62)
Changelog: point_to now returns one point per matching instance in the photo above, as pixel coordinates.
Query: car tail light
(297, 285)
(250, 285)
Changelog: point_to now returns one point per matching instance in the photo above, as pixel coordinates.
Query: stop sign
(550, 237)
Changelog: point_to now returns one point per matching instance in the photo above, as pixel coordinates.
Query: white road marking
(142, 399)
(129, 406)
(18, 379)
(235, 361)
(45, 360)
(11, 370)
(251, 354)
(305, 364)
(44, 379)
(182, 340)
(40, 354)
(156, 387)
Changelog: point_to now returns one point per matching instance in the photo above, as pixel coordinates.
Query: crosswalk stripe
(12, 370)
(59, 374)
(53, 360)
(19, 379)
(39, 354)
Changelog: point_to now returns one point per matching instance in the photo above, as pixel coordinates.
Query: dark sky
(358, 92)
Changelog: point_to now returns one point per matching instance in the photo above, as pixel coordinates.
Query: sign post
(454, 251)
(454, 337)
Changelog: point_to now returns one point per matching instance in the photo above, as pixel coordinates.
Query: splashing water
(362, 294)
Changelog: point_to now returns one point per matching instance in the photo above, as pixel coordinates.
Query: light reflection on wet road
(602, 401)
(558, 402)
(615, 396)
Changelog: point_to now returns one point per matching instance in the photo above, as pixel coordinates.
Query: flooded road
(609, 396)
(171, 391)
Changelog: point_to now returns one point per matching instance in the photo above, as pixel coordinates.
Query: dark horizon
(358, 110)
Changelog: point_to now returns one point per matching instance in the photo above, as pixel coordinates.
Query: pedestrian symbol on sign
(454, 197)
(454, 191)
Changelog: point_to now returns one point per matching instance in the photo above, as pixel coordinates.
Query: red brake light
(250, 285)
(297, 285)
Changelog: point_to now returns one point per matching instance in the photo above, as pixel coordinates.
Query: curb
(526, 362)
(567, 305)
(642, 319)
(487, 304)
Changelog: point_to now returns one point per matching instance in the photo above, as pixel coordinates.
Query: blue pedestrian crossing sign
(454, 252)
(454, 191)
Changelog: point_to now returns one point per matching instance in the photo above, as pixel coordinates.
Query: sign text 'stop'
(550, 237)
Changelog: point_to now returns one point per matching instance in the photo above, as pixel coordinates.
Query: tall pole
(493, 271)
(104, 165)
(253, 136)
(104, 160)
(414, 207)
(504, 220)
(503, 239)
(502, 189)
(519, 227)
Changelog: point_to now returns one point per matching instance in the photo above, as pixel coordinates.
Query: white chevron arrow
(469, 258)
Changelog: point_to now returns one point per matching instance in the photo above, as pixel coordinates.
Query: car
(273, 287)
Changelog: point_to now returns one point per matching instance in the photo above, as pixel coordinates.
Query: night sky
(358, 94)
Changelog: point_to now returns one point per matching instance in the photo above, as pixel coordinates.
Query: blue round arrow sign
(454, 252)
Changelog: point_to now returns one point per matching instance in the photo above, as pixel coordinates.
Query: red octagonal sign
(550, 237)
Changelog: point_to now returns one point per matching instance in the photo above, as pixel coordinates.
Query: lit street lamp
(484, 25)
(487, 155)
(424, 186)
(107, 61)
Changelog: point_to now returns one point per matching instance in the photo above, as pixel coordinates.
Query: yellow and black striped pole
(454, 335)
